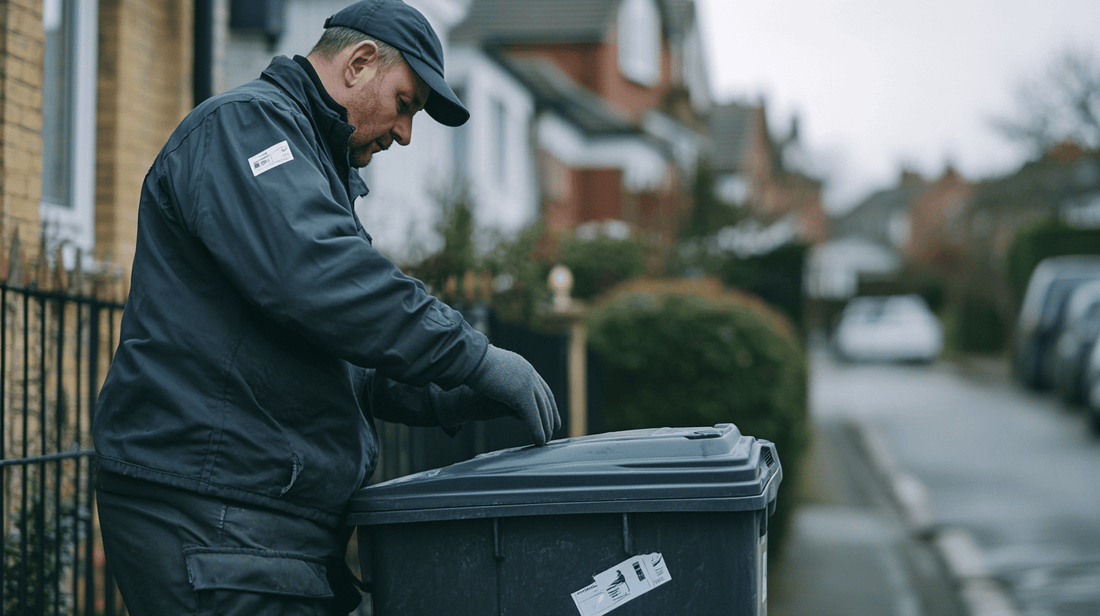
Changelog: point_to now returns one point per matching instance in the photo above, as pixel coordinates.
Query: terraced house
(581, 111)
(89, 91)
(614, 96)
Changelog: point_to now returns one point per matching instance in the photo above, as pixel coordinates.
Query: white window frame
(499, 142)
(72, 224)
(640, 41)
(460, 144)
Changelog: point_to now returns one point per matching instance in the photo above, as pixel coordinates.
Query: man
(263, 334)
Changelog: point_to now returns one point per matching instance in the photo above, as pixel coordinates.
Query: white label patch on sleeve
(270, 158)
(624, 582)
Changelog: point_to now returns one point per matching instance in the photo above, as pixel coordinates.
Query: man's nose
(402, 130)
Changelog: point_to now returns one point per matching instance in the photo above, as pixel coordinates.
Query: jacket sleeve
(298, 253)
(402, 403)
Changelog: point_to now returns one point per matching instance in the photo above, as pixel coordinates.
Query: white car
(888, 328)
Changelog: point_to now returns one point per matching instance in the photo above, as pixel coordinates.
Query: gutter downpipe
(202, 74)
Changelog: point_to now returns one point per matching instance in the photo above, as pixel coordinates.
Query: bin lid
(664, 469)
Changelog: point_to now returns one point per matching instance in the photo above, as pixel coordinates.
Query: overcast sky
(879, 83)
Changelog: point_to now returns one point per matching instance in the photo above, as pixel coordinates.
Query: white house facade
(523, 107)
(493, 153)
(405, 183)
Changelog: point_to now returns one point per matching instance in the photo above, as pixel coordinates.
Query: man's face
(382, 111)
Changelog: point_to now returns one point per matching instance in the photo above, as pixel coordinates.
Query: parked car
(888, 328)
(1092, 389)
(1079, 331)
(1041, 312)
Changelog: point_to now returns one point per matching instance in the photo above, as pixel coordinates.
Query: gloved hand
(454, 407)
(507, 378)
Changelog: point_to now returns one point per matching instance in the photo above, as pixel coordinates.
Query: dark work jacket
(262, 329)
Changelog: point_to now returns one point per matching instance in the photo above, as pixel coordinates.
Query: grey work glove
(509, 379)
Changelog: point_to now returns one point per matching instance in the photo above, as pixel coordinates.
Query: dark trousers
(177, 552)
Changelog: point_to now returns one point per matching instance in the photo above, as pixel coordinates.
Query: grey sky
(879, 83)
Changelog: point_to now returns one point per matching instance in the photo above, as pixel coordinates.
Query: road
(1002, 483)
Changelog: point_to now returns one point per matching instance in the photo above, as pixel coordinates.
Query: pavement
(862, 539)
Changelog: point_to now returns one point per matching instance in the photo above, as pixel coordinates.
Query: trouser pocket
(247, 581)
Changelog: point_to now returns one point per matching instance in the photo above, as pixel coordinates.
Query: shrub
(521, 270)
(1049, 237)
(457, 255)
(973, 324)
(35, 565)
(775, 275)
(598, 264)
(710, 213)
(691, 353)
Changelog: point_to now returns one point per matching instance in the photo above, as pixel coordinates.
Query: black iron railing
(54, 347)
(405, 450)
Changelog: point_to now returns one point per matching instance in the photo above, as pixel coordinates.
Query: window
(68, 123)
(56, 103)
(900, 228)
(694, 71)
(640, 41)
(556, 179)
(460, 144)
(500, 142)
(733, 188)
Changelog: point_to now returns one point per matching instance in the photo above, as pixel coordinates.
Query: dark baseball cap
(403, 27)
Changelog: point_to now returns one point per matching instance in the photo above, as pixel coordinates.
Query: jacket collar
(298, 78)
(319, 87)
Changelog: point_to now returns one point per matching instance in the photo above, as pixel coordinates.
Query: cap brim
(443, 104)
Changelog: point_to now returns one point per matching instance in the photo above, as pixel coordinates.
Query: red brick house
(619, 97)
(938, 216)
(1065, 181)
(761, 173)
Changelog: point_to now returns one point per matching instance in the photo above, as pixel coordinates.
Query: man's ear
(360, 63)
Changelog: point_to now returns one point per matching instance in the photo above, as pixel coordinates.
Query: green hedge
(1048, 238)
(776, 277)
(683, 353)
(973, 324)
(600, 263)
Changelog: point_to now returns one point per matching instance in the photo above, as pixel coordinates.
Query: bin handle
(628, 537)
(498, 540)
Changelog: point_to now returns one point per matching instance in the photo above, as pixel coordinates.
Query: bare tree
(1062, 104)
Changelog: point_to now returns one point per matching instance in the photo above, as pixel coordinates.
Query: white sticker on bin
(621, 583)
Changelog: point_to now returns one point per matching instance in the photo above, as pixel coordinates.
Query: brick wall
(938, 221)
(559, 194)
(144, 89)
(145, 54)
(22, 42)
(631, 98)
(600, 194)
(579, 61)
(596, 67)
(800, 196)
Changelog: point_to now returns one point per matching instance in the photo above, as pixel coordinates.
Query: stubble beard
(361, 156)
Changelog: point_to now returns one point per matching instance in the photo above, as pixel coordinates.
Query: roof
(732, 127)
(555, 90)
(536, 21)
(872, 217)
(1042, 185)
(556, 21)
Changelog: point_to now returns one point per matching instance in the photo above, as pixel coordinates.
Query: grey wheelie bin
(642, 522)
